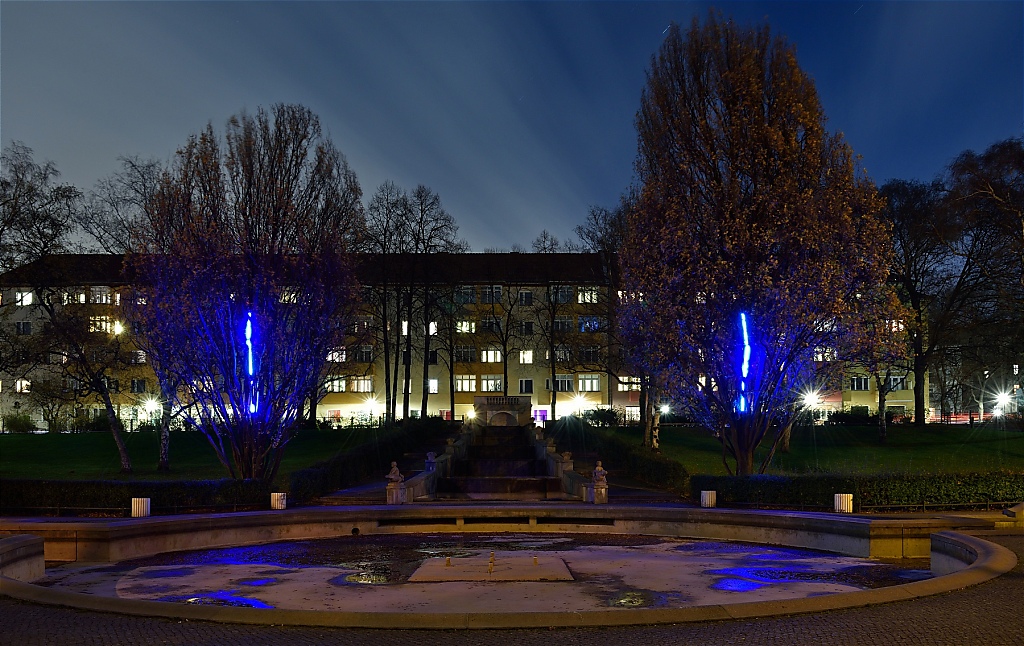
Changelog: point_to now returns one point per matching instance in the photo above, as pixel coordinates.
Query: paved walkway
(989, 614)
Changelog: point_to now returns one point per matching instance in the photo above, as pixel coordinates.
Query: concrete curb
(992, 560)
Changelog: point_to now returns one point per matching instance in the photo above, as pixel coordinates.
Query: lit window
(525, 298)
(289, 295)
(465, 327)
(432, 386)
(405, 328)
(526, 356)
(627, 384)
(562, 353)
(138, 357)
(591, 323)
(101, 324)
(23, 299)
(589, 383)
(335, 385)
(824, 354)
(465, 383)
(432, 327)
(587, 295)
(99, 295)
(490, 383)
(526, 386)
(22, 386)
(362, 385)
(73, 297)
(336, 356)
(859, 383)
(491, 355)
(895, 326)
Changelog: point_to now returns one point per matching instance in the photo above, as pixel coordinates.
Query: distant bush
(364, 462)
(893, 490)
(58, 496)
(624, 456)
(15, 423)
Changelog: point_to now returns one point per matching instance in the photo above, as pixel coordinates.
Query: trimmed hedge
(869, 491)
(20, 496)
(369, 461)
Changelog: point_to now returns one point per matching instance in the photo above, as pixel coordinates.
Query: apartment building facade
(432, 331)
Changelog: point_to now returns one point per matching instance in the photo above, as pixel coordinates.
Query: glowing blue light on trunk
(253, 394)
(745, 367)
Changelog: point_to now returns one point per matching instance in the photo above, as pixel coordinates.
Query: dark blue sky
(519, 114)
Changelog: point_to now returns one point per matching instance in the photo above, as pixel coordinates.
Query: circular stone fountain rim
(987, 560)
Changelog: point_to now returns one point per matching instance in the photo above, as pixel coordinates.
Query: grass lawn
(853, 449)
(93, 456)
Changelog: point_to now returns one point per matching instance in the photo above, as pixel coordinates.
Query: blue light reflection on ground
(736, 585)
(256, 582)
(218, 598)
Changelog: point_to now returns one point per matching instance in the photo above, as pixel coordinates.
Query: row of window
(138, 386)
(864, 383)
(492, 295)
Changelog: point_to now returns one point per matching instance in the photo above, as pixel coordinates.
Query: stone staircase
(500, 464)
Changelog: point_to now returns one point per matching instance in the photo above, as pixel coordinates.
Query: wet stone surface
(371, 573)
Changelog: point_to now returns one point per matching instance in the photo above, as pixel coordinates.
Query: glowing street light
(811, 399)
(118, 328)
(665, 409)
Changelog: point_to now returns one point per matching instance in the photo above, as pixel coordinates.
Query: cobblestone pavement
(990, 614)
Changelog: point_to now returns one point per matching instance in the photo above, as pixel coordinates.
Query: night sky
(520, 114)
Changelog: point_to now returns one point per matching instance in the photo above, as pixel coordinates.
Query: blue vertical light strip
(745, 367)
(253, 395)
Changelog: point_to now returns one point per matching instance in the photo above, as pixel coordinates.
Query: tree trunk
(116, 428)
(554, 386)
(164, 461)
(645, 413)
(656, 430)
(425, 398)
(407, 360)
(920, 371)
(882, 431)
(386, 338)
(787, 433)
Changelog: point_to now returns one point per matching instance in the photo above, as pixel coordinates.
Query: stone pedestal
(140, 507)
(708, 499)
(600, 493)
(396, 493)
(278, 500)
(844, 503)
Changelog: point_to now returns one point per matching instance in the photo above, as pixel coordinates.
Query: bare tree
(243, 279)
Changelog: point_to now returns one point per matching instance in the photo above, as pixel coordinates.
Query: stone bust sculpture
(394, 475)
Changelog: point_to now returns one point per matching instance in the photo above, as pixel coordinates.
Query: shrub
(623, 456)
(367, 461)
(113, 496)
(15, 423)
(869, 491)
